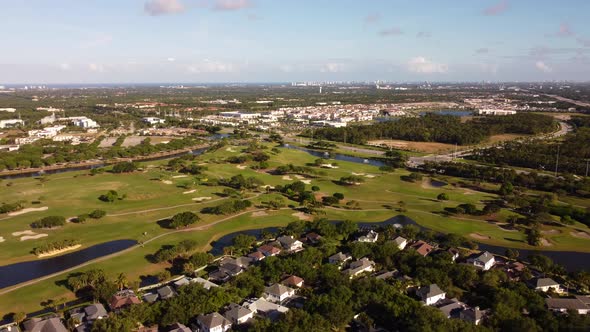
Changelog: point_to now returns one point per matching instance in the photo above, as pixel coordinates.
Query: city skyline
(262, 41)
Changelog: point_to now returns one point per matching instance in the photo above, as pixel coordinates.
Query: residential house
(370, 237)
(213, 322)
(472, 315)
(49, 324)
(339, 258)
(278, 293)
(205, 283)
(229, 267)
(123, 299)
(450, 308)
(265, 308)
(177, 327)
(563, 305)
(150, 297)
(454, 252)
(431, 294)
(359, 267)
(290, 244)
(293, 281)
(422, 248)
(484, 261)
(10, 328)
(181, 282)
(313, 237)
(95, 311)
(546, 284)
(400, 242)
(238, 314)
(269, 250)
(387, 275)
(166, 292)
(256, 256)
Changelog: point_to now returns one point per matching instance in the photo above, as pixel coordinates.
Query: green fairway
(156, 193)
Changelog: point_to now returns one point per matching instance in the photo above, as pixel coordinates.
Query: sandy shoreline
(57, 252)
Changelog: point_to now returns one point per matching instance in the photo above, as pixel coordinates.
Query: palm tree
(121, 281)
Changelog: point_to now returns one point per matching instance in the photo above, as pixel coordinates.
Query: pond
(337, 156)
(17, 273)
(570, 260)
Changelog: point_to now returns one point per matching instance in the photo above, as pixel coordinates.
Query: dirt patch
(57, 252)
(427, 147)
(27, 232)
(302, 216)
(33, 237)
(190, 191)
(478, 236)
(166, 182)
(581, 235)
(27, 210)
(242, 167)
(287, 178)
(179, 176)
(545, 243)
(259, 214)
(200, 199)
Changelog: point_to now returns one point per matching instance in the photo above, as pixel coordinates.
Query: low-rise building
(123, 299)
(359, 267)
(564, 305)
(290, 244)
(269, 250)
(238, 314)
(431, 294)
(339, 258)
(213, 322)
(547, 284)
(422, 247)
(278, 293)
(11, 123)
(293, 281)
(369, 237)
(484, 261)
(49, 324)
(400, 242)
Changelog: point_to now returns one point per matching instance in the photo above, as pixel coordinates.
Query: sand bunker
(551, 231)
(546, 243)
(230, 150)
(370, 176)
(306, 181)
(1, 239)
(358, 174)
(57, 252)
(302, 216)
(299, 176)
(286, 177)
(328, 166)
(267, 186)
(27, 210)
(190, 191)
(241, 166)
(179, 176)
(259, 214)
(200, 199)
(581, 235)
(167, 182)
(479, 236)
(33, 237)
(27, 232)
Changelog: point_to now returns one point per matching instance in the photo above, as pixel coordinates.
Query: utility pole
(587, 164)
(557, 161)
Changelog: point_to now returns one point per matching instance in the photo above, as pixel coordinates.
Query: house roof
(166, 292)
(422, 247)
(150, 297)
(451, 308)
(472, 314)
(430, 291)
(292, 281)
(256, 255)
(387, 275)
(95, 311)
(122, 299)
(313, 236)
(485, 257)
(269, 249)
(177, 327)
(369, 236)
(52, 324)
(287, 241)
(205, 283)
(570, 304)
(278, 290)
(236, 312)
(584, 299)
(400, 240)
(339, 257)
(263, 305)
(213, 320)
(182, 281)
(546, 282)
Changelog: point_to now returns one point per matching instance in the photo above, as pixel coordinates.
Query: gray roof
(95, 311)
(262, 305)
(430, 291)
(399, 240)
(339, 257)
(485, 257)
(236, 312)
(451, 308)
(182, 281)
(213, 320)
(150, 297)
(166, 292)
(52, 324)
(177, 327)
(546, 282)
(286, 241)
(387, 274)
(471, 314)
(278, 290)
(205, 283)
(571, 304)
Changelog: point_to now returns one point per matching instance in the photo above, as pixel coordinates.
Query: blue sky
(120, 41)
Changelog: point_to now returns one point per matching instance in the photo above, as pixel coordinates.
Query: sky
(149, 41)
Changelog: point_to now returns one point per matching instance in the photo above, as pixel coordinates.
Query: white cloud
(97, 68)
(231, 4)
(543, 67)
(65, 66)
(424, 66)
(490, 68)
(211, 66)
(391, 32)
(163, 7)
(332, 68)
(171, 59)
(97, 41)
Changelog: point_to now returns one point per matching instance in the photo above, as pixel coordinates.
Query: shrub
(97, 214)
(183, 219)
(49, 222)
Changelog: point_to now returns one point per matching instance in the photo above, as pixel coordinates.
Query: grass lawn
(155, 193)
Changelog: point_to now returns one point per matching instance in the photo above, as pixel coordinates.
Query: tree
(97, 214)
(534, 237)
(163, 276)
(339, 196)
(443, 197)
(124, 167)
(315, 188)
(109, 197)
(512, 253)
(19, 317)
(121, 281)
(183, 219)
(243, 241)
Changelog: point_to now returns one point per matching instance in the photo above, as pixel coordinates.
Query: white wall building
(11, 123)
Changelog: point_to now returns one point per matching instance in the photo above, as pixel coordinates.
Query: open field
(149, 198)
